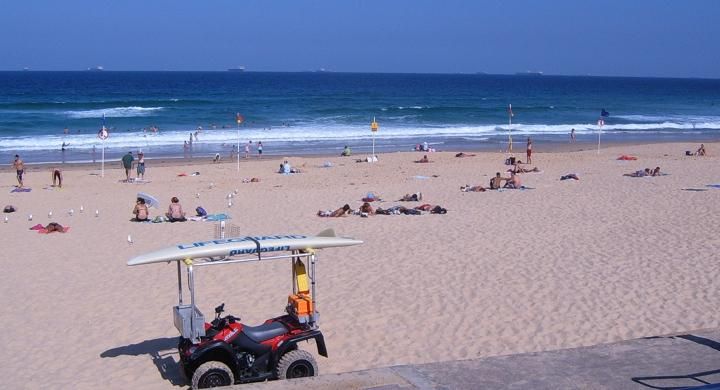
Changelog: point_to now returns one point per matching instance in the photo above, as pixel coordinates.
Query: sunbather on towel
(513, 182)
(341, 212)
(469, 188)
(412, 197)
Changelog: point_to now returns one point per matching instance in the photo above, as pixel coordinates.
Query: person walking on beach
(247, 149)
(572, 136)
(127, 162)
(528, 151)
(259, 148)
(141, 166)
(19, 166)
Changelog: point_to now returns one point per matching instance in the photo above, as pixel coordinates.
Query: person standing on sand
(141, 166)
(528, 152)
(259, 148)
(247, 149)
(572, 136)
(19, 166)
(127, 162)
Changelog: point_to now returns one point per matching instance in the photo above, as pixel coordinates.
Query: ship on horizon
(98, 68)
(529, 73)
(239, 68)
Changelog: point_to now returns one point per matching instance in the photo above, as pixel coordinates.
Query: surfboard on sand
(247, 245)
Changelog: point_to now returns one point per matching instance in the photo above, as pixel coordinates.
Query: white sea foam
(328, 132)
(115, 112)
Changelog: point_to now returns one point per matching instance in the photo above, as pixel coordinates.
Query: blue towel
(21, 189)
(713, 185)
(217, 217)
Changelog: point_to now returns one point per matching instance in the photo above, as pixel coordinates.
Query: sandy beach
(565, 264)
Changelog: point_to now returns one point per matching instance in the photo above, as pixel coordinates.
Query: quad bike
(225, 351)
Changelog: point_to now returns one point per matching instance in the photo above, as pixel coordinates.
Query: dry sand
(568, 264)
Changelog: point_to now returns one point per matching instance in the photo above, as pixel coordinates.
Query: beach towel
(217, 217)
(627, 158)
(713, 186)
(182, 174)
(16, 189)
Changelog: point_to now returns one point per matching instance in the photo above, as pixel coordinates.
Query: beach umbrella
(150, 200)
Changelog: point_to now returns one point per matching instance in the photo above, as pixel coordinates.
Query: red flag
(510, 110)
(239, 118)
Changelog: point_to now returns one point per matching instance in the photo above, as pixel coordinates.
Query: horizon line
(529, 74)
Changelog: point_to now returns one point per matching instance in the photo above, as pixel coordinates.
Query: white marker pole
(238, 149)
(102, 164)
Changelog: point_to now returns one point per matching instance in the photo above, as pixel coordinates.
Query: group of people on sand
(175, 211)
(287, 169)
(127, 162)
(496, 183)
(55, 173)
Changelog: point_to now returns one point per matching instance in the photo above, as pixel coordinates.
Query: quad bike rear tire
(212, 374)
(296, 364)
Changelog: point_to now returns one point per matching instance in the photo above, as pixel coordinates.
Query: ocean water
(320, 112)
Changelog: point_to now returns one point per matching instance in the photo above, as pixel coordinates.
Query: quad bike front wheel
(296, 364)
(212, 374)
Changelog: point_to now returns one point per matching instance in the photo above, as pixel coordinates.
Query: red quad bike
(225, 351)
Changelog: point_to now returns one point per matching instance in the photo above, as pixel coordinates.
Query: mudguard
(216, 350)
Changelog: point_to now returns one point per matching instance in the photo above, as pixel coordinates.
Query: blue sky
(613, 37)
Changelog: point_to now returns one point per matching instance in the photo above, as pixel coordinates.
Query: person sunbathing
(412, 197)
(656, 172)
(341, 212)
(54, 227)
(518, 169)
(141, 211)
(701, 150)
(642, 173)
(461, 154)
(423, 160)
(175, 211)
(366, 209)
(468, 188)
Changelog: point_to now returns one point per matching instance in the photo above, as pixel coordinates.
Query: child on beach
(141, 166)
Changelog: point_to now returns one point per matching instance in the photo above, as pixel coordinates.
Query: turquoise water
(320, 112)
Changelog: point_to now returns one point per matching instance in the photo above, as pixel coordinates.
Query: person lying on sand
(645, 172)
(366, 209)
(141, 210)
(54, 227)
(412, 197)
(423, 160)
(341, 212)
(468, 188)
(569, 176)
(518, 169)
(461, 154)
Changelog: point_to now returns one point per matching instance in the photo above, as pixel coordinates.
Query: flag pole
(238, 147)
(102, 164)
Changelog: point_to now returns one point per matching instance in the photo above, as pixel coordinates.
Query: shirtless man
(496, 182)
(513, 181)
(19, 166)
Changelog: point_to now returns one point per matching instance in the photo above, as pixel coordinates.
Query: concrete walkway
(666, 362)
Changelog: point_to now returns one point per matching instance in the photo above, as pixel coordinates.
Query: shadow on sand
(696, 380)
(161, 352)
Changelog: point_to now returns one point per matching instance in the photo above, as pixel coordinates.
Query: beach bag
(200, 211)
(9, 209)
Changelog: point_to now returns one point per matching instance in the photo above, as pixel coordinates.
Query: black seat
(265, 331)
